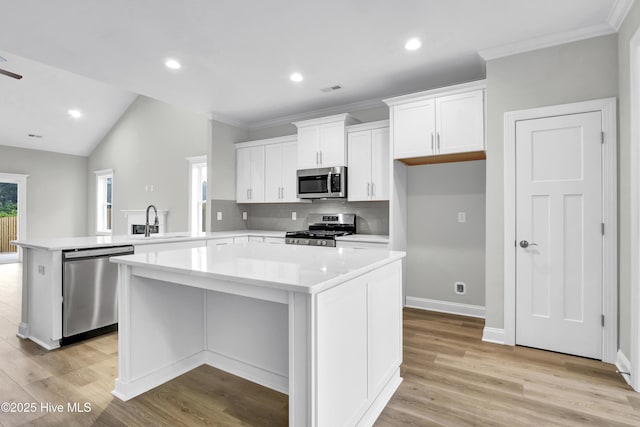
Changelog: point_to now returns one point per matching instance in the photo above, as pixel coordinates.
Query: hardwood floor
(451, 378)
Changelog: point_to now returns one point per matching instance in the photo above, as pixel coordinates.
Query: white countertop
(56, 244)
(288, 267)
(365, 238)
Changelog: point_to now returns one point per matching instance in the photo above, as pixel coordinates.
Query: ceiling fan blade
(10, 74)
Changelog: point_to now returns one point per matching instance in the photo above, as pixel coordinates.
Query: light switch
(462, 217)
(41, 269)
(294, 216)
(219, 216)
(244, 216)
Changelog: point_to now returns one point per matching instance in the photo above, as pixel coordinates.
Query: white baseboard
(126, 391)
(445, 307)
(23, 330)
(624, 366)
(378, 405)
(493, 335)
(242, 369)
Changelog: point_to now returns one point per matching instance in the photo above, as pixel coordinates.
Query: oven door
(322, 183)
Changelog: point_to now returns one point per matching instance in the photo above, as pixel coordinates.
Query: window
(104, 201)
(198, 193)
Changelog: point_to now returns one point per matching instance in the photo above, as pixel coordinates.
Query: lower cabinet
(274, 240)
(154, 247)
(361, 245)
(219, 242)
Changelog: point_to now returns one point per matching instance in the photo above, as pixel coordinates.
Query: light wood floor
(451, 378)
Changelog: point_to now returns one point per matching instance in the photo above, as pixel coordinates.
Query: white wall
(56, 190)
(440, 250)
(562, 74)
(148, 146)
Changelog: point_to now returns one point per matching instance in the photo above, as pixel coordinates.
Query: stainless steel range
(323, 230)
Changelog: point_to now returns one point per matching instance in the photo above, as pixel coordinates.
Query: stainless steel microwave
(322, 183)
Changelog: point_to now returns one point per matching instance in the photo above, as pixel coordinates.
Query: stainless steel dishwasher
(89, 292)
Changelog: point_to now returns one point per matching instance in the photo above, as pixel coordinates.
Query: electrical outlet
(244, 216)
(460, 288)
(41, 270)
(462, 217)
(219, 216)
(151, 187)
(294, 216)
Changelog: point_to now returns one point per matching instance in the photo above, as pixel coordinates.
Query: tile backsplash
(372, 217)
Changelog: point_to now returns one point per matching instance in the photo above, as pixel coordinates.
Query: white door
(359, 173)
(289, 172)
(380, 164)
(559, 234)
(332, 145)
(256, 192)
(243, 174)
(273, 173)
(308, 147)
(460, 122)
(414, 126)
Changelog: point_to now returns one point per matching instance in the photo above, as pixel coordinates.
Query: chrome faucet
(147, 231)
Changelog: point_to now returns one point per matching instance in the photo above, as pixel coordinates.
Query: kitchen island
(321, 324)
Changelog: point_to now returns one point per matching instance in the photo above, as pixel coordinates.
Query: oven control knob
(323, 243)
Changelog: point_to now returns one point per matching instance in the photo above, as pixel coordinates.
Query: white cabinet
(322, 142)
(221, 241)
(250, 174)
(361, 245)
(368, 172)
(169, 246)
(438, 123)
(280, 172)
(274, 240)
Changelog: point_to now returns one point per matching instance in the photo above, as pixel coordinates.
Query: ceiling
(237, 55)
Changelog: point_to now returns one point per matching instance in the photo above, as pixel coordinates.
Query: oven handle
(329, 189)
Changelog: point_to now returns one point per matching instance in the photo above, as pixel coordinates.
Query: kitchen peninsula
(321, 324)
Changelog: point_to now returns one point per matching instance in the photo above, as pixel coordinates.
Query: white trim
(104, 172)
(21, 180)
(286, 120)
(196, 160)
(268, 141)
(256, 374)
(618, 13)
(433, 93)
(493, 335)
(100, 177)
(609, 201)
(347, 118)
(381, 401)
(546, 41)
(368, 126)
(228, 120)
(445, 306)
(634, 61)
(624, 366)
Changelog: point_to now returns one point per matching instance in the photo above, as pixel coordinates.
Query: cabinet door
(256, 193)
(308, 147)
(332, 145)
(379, 164)
(289, 172)
(359, 172)
(243, 174)
(460, 122)
(273, 173)
(414, 129)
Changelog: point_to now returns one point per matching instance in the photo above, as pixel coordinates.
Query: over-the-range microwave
(322, 183)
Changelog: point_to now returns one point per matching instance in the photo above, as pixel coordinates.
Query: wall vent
(331, 88)
(33, 135)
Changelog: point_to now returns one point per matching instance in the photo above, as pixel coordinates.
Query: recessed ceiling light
(296, 77)
(413, 44)
(76, 114)
(173, 64)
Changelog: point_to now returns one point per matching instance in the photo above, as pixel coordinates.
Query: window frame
(196, 174)
(101, 202)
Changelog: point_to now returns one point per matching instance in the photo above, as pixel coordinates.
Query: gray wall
(56, 190)
(148, 145)
(568, 73)
(628, 29)
(440, 250)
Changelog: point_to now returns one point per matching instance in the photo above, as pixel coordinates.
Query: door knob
(525, 244)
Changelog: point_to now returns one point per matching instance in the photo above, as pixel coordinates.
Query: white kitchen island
(321, 324)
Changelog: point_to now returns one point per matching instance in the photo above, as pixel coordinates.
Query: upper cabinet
(250, 174)
(449, 123)
(368, 165)
(322, 142)
(266, 170)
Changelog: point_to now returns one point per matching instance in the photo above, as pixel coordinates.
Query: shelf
(445, 158)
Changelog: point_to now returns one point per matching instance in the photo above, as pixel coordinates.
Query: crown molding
(339, 109)
(227, 120)
(618, 12)
(547, 41)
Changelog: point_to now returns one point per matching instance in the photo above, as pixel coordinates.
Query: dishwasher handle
(97, 252)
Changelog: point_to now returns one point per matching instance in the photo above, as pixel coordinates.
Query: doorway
(13, 188)
(561, 229)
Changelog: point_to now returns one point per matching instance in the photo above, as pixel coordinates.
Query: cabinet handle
(438, 141)
(368, 189)
(320, 157)
(250, 193)
(317, 158)
(247, 194)
(432, 146)
(373, 192)
(281, 193)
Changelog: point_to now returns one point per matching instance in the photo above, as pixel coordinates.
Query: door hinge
(602, 320)
(601, 137)
(602, 228)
